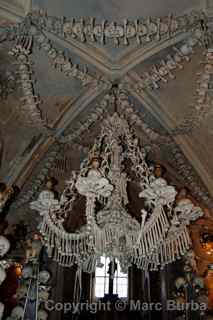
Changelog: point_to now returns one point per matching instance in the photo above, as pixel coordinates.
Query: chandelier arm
(155, 229)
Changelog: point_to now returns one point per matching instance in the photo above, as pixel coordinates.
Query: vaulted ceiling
(69, 106)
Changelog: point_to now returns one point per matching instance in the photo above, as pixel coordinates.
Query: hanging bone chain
(159, 238)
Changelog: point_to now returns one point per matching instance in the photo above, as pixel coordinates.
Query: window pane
(119, 273)
(120, 281)
(106, 290)
(101, 271)
(100, 281)
(122, 291)
(99, 291)
(115, 286)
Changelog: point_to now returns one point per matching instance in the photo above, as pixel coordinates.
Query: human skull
(43, 294)
(21, 292)
(27, 272)
(4, 246)
(41, 38)
(42, 315)
(180, 282)
(186, 49)
(17, 313)
(192, 42)
(44, 277)
(198, 281)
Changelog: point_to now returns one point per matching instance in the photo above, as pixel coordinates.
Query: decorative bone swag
(159, 238)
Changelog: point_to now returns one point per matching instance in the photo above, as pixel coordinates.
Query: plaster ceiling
(65, 102)
(15, 8)
(113, 10)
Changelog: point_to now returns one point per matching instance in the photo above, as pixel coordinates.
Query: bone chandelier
(116, 159)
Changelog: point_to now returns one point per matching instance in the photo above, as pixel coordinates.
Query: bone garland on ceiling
(29, 102)
(203, 99)
(141, 31)
(163, 71)
(93, 117)
(127, 108)
(63, 164)
(185, 170)
(57, 57)
(63, 63)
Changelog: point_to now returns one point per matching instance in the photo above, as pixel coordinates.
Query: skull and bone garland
(64, 64)
(26, 293)
(67, 140)
(203, 98)
(29, 102)
(160, 238)
(141, 31)
(163, 71)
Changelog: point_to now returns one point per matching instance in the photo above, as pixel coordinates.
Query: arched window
(103, 281)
